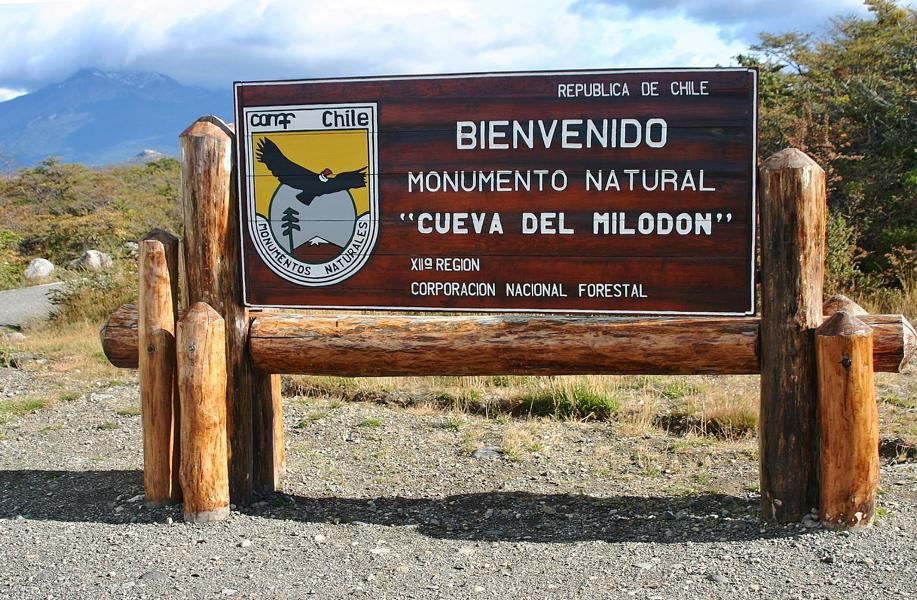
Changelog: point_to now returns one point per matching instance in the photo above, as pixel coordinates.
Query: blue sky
(212, 43)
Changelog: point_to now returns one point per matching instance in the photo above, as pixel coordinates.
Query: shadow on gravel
(112, 497)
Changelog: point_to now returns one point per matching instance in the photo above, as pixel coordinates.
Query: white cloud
(742, 19)
(213, 42)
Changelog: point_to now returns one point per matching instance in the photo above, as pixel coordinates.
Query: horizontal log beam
(471, 345)
(406, 346)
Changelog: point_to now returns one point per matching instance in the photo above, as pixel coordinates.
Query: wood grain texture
(119, 338)
(840, 302)
(269, 436)
(383, 346)
(893, 347)
(156, 338)
(792, 275)
(212, 267)
(172, 247)
(201, 340)
(848, 422)
(417, 117)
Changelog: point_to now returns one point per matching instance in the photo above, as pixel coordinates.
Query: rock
(490, 452)
(132, 248)
(12, 336)
(92, 260)
(809, 521)
(319, 538)
(152, 576)
(717, 578)
(245, 544)
(828, 559)
(39, 268)
(229, 591)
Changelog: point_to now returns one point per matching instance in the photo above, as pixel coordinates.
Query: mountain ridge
(100, 117)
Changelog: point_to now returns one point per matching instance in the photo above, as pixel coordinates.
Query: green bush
(57, 211)
(94, 296)
(11, 264)
(842, 259)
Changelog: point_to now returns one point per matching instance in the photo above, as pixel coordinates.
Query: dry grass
(519, 439)
(704, 405)
(72, 349)
(890, 300)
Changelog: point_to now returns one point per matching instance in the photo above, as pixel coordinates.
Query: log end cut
(790, 158)
(839, 302)
(208, 126)
(119, 337)
(843, 324)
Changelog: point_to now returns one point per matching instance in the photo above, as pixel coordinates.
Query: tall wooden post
(156, 341)
(792, 276)
(212, 263)
(202, 387)
(848, 422)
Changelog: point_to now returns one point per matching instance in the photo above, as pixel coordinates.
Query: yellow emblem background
(339, 150)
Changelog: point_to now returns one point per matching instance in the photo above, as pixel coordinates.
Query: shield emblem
(312, 190)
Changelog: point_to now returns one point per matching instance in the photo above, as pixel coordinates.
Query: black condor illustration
(310, 183)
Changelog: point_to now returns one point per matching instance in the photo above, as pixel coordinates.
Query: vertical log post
(156, 341)
(202, 388)
(848, 422)
(212, 261)
(792, 275)
(269, 435)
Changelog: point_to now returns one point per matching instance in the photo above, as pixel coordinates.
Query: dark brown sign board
(614, 191)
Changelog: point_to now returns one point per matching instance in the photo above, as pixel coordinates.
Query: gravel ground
(393, 503)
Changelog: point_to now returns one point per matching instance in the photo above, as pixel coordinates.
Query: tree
(289, 224)
(848, 99)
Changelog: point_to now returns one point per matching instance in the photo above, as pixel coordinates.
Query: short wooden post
(792, 276)
(848, 422)
(202, 388)
(156, 340)
(212, 260)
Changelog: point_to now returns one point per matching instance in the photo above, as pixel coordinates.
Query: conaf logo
(312, 182)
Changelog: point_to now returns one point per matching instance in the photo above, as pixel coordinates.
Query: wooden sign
(582, 191)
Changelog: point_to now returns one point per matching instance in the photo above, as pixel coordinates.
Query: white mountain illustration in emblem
(329, 219)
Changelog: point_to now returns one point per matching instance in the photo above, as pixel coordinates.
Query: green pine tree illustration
(290, 223)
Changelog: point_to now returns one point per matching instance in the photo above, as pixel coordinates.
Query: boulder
(11, 336)
(92, 260)
(39, 268)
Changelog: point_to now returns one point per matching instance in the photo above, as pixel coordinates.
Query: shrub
(577, 401)
(94, 296)
(11, 264)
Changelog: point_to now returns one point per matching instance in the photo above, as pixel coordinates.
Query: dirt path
(383, 503)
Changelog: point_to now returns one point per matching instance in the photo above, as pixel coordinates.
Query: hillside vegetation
(57, 211)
